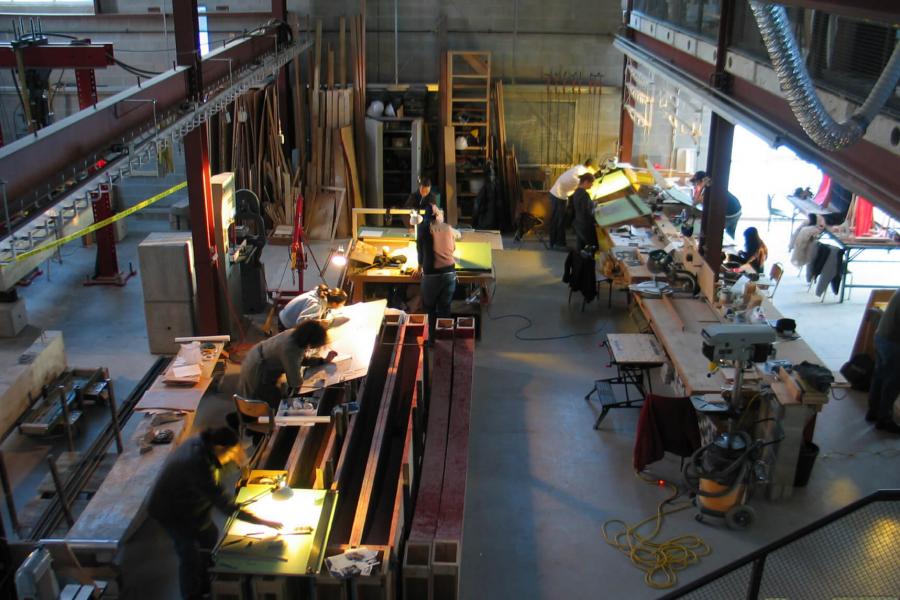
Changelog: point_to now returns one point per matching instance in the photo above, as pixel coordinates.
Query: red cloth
(864, 219)
(665, 425)
(824, 189)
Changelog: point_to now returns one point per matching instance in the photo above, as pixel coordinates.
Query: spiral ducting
(800, 92)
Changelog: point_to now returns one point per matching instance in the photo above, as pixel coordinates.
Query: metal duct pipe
(800, 92)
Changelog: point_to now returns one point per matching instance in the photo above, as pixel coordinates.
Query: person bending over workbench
(312, 305)
(560, 194)
(183, 498)
(282, 354)
(584, 224)
(435, 245)
(701, 182)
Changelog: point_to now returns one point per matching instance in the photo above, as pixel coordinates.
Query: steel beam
(715, 204)
(59, 56)
(196, 162)
(36, 163)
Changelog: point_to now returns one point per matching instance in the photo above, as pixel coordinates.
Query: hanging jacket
(580, 273)
(815, 267)
(665, 425)
(803, 245)
(831, 271)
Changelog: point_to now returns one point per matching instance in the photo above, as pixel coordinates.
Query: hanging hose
(800, 91)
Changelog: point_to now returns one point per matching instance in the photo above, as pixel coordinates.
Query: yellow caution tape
(101, 224)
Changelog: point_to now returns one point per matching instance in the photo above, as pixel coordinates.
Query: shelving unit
(466, 114)
(395, 159)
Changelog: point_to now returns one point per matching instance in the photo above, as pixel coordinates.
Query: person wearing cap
(562, 190)
(282, 354)
(184, 495)
(701, 182)
(435, 245)
(311, 305)
(584, 223)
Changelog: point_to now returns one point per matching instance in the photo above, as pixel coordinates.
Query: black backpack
(858, 371)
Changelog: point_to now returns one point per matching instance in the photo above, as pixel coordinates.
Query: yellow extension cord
(660, 561)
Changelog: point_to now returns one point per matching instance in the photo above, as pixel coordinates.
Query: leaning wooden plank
(375, 451)
(349, 152)
(450, 174)
(317, 58)
(342, 53)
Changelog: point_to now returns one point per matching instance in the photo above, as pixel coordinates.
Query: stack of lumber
(256, 157)
(434, 548)
(336, 113)
(505, 158)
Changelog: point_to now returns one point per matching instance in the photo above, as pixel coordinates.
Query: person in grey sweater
(885, 385)
(282, 354)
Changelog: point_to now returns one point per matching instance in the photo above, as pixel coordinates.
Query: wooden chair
(775, 275)
(248, 411)
(778, 214)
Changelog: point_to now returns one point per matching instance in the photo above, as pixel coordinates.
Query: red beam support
(716, 201)
(59, 56)
(196, 159)
(86, 84)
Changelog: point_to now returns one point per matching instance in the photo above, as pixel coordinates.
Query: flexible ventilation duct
(800, 92)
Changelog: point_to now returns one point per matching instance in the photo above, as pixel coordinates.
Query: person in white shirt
(311, 305)
(562, 189)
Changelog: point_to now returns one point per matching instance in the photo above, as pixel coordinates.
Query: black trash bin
(805, 462)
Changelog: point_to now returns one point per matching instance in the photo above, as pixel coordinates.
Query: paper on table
(371, 233)
(187, 371)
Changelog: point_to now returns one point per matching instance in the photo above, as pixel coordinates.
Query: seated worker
(885, 387)
(435, 245)
(184, 495)
(701, 183)
(560, 193)
(584, 223)
(311, 305)
(754, 253)
(282, 354)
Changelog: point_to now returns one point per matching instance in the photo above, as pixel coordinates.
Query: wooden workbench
(677, 324)
(118, 507)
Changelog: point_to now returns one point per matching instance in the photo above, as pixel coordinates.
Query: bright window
(203, 26)
(47, 7)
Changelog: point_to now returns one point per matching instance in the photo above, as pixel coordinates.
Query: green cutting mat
(473, 256)
(620, 211)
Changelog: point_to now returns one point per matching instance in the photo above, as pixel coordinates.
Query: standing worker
(183, 498)
(585, 225)
(562, 189)
(282, 354)
(311, 305)
(422, 197)
(435, 245)
(885, 387)
(701, 182)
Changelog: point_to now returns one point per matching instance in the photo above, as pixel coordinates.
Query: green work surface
(621, 211)
(473, 256)
(249, 549)
(609, 184)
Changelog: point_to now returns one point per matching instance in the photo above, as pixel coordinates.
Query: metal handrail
(758, 557)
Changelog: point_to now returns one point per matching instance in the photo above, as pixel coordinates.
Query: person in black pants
(584, 224)
(183, 498)
(560, 194)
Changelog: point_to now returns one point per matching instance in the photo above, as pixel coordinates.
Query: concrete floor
(541, 479)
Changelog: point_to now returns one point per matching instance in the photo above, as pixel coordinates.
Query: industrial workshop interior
(290, 309)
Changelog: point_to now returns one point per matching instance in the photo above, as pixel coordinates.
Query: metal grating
(856, 556)
(731, 585)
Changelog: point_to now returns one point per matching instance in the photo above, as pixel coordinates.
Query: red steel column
(196, 159)
(86, 84)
